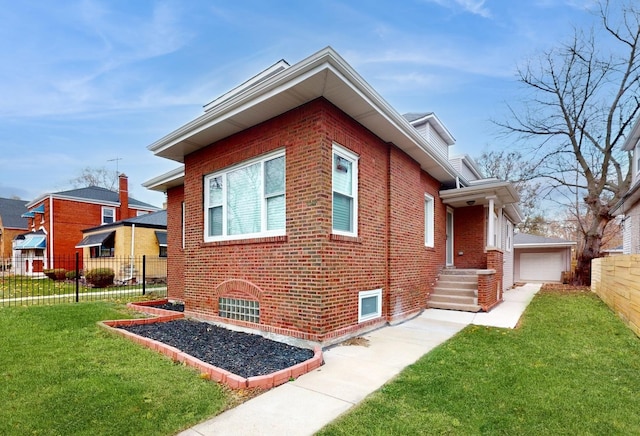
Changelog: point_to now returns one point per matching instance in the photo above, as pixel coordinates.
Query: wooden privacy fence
(616, 280)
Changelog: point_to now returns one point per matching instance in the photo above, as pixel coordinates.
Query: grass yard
(572, 367)
(25, 287)
(62, 375)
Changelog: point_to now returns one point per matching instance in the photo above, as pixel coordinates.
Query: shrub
(100, 277)
(57, 274)
(70, 275)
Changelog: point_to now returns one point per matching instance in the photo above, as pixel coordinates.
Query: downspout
(131, 256)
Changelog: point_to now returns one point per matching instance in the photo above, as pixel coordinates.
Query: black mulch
(243, 354)
(176, 307)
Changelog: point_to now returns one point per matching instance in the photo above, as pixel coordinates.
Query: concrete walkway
(352, 372)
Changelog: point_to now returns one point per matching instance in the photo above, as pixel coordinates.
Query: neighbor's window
(106, 249)
(369, 305)
(108, 215)
(429, 219)
(247, 200)
(345, 191)
(509, 244)
(163, 251)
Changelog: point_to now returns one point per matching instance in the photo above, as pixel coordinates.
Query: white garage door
(541, 267)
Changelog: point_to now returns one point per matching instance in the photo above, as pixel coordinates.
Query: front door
(449, 249)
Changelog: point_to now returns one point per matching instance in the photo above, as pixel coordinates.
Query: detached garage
(540, 259)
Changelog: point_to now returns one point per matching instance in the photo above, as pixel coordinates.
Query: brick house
(12, 224)
(308, 207)
(122, 244)
(56, 222)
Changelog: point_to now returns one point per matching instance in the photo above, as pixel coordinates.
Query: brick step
(455, 306)
(442, 298)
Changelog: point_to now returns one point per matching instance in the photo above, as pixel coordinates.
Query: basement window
(369, 305)
(242, 310)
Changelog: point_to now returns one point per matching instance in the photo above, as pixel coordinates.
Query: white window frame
(429, 221)
(367, 294)
(342, 152)
(263, 210)
(113, 210)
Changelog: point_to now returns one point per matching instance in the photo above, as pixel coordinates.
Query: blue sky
(85, 82)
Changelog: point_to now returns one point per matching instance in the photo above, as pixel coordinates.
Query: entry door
(449, 249)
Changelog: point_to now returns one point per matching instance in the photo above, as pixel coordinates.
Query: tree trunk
(590, 250)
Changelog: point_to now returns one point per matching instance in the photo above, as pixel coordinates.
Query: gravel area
(176, 307)
(243, 354)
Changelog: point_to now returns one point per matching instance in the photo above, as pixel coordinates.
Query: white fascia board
(175, 177)
(633, 137)
(546, 245)
(326, 62)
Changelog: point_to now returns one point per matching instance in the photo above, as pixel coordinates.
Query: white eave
(502, 193)
(166, 181)
(633, 137)
(324, 74)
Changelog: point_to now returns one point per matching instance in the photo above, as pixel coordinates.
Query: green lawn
(571, 368)
(62, 375)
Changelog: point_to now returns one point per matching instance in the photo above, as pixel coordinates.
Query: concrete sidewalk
(350, 373)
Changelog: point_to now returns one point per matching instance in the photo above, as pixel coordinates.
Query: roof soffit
(324, 74)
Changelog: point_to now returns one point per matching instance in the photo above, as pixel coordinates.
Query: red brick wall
(469, 237)
(175, 252)
(413, 267)
(308, 282)
(70, 218)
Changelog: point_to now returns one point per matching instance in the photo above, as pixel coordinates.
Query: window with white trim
(429, 221)
(509, 244)
(108, 215)
(369, 305)
(345, 191)
(246, 200)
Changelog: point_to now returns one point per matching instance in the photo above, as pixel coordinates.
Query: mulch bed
(564, 289)
(244, 354)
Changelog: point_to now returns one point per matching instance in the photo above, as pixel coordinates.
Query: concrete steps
(457, 289)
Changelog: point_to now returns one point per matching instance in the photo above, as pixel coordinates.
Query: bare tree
(583, 98)
(96, 177)
(513, 167)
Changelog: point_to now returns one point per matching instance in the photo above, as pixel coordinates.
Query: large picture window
(247, 200)
(345, 191)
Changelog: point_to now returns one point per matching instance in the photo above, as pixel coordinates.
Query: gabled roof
(157, 220)
(95, 194)
(522, 240)
(322, 75)
(11, 213)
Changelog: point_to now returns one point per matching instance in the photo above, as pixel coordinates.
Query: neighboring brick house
(58, 220)
(121, 246)
(628, 208)
(308, 207)
(12, 224)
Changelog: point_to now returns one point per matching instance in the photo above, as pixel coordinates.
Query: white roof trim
(324, 74)
(165, 181)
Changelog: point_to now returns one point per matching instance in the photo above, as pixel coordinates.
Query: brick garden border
(209, 371)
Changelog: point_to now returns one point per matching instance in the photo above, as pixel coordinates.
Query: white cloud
(94, 62)
(475, 7)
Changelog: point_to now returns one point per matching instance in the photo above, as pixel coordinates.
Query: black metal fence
(32, 279)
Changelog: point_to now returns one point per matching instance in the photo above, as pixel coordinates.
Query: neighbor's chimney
(123, 193)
